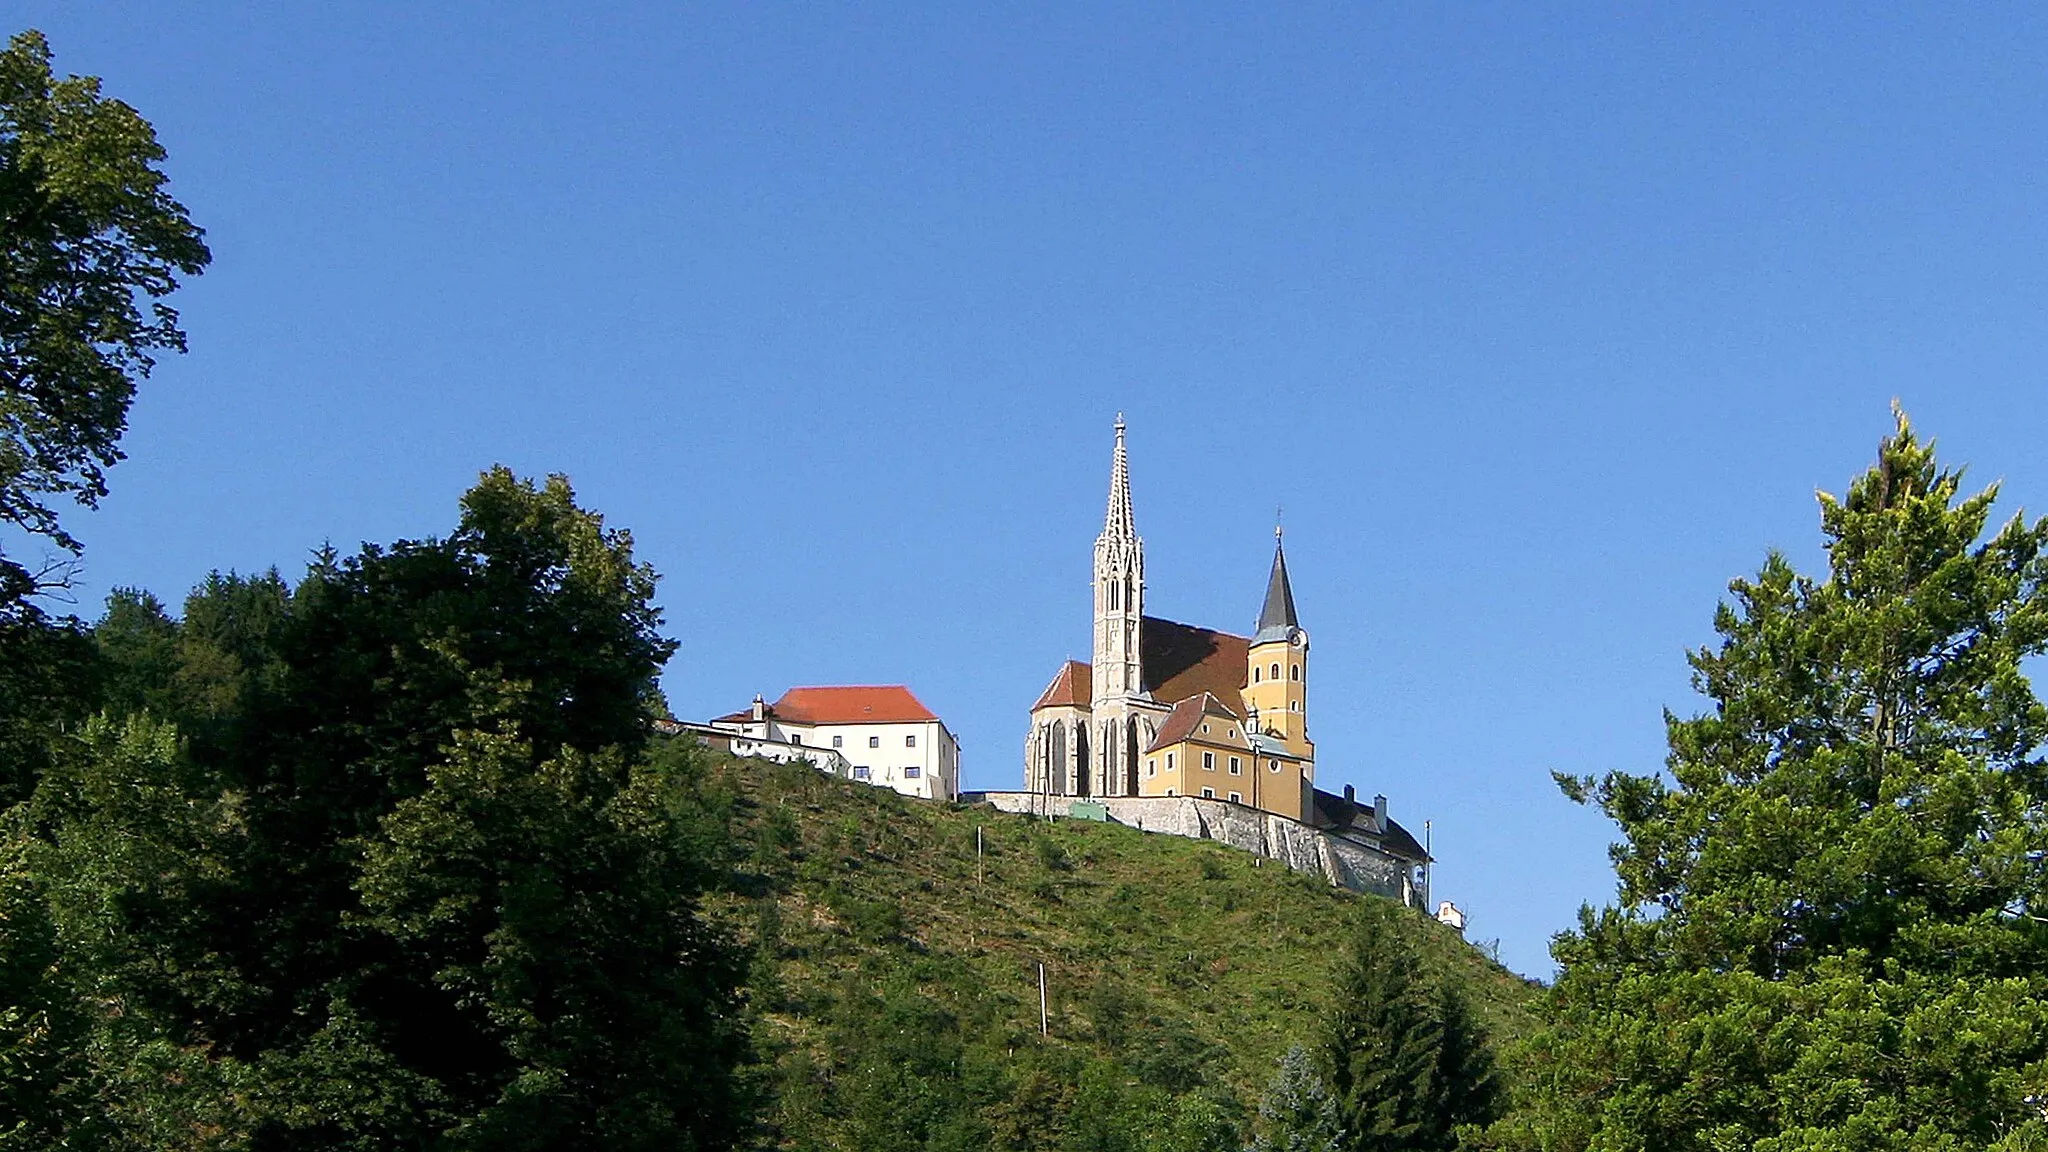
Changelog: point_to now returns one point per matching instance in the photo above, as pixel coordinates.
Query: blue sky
(1557, 315)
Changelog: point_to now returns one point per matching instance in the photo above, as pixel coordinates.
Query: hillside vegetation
(1175, 969)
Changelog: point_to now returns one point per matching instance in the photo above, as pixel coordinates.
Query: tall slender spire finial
(1119, 523)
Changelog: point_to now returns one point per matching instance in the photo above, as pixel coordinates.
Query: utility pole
(1427, 857)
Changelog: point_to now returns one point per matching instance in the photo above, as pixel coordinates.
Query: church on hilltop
(1170, 709)
(1189, 731)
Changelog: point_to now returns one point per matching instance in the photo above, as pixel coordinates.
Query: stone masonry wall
(1297, 845)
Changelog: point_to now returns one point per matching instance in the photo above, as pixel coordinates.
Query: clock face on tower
(1297, 638)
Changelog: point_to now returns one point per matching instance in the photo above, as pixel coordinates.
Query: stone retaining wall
(1303, 848)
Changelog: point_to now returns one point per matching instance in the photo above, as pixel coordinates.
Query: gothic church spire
(1119, 524)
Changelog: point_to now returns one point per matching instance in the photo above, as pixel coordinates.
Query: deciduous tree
(90, 244)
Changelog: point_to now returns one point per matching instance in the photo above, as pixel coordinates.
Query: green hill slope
(882, 945)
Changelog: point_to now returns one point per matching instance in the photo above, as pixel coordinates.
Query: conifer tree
(1404, 1059)
(1298, 1113)
(1829, 925)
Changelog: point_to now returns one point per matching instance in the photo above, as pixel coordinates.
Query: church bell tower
(1119, 587)
(1119, 674)
(1276, 672)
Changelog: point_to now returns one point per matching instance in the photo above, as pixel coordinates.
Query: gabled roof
(1180, 723)
(1181, 660)
(1073, 687)
(845, 704)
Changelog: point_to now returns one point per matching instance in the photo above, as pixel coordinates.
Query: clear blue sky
(1560, 314)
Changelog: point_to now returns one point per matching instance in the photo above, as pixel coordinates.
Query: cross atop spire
(1119, 523)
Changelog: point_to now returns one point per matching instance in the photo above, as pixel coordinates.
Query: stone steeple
(1119, 586)
(1119, 523)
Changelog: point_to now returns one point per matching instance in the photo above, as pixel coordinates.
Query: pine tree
(1829, 926)
(1298, 1114)
(1404, 1059)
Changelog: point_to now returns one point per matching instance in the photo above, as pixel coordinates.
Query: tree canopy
(90, 244)
(1829, 929)
(376, 861)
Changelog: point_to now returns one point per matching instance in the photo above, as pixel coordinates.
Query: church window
(910, 741)
(1276, 671)
(1208, 761)
(1171, 792)
(1237, 797)
(1294, 705)
(1205, 729)
(1169, 761)
(839, 741)
(1275, 764)
(1208, 793)
(1256, 670)
(796, 738)
(1236, 766)
(1294, 671)
(1151, 765)
(874, 741)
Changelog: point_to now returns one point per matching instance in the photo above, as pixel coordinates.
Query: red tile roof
(1074, 687)
(1180, 723)
(1181, 660)
(848, 704)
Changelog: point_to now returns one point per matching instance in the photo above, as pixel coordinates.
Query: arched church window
(1294, 705)
(1276, 671)
(1294, 671)
(1255, 673)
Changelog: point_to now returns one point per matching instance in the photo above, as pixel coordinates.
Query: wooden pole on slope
(1044, 1026)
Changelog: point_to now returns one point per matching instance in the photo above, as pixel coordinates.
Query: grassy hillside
(1176, 963)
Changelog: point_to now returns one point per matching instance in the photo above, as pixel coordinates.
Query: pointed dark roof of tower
(1277, 616)
(1119, 523)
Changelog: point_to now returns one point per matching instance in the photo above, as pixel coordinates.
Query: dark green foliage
(379, 862)
(88, 235)
(48, 678)
(1828, 933)
(1403, 1058)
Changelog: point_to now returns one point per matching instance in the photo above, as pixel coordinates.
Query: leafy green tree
(1829, 929)
(1404, 1060)
(1297, 1113)
(87, 236)
(90, 244)
(414, 879)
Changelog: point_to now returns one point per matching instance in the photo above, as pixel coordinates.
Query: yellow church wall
(1181, 770)
(1282, 701)
(1281, 792)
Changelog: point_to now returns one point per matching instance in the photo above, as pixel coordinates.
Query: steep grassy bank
(880, 939)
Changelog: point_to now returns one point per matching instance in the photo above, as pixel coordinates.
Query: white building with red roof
(883, 733)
